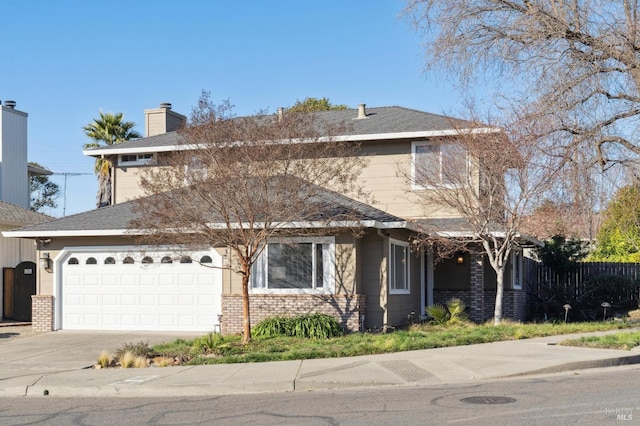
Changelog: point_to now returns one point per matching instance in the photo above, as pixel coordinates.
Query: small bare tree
(491, 180)
(238, 182)
(572, 64)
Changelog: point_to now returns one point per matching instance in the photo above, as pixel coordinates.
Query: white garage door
(125, 290)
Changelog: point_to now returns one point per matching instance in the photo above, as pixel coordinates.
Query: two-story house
(17, 256)
(98, 279)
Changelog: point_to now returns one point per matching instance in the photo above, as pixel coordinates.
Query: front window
(438, 165)
(398, 267)
(295, 266)
(136, 159)
(517, 266)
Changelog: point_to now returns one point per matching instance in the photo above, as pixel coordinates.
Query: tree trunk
(497, 312)
(246, 319)
(103, 198)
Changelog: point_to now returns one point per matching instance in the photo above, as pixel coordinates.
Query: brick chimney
(159, 121)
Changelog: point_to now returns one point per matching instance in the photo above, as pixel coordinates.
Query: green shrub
(136, 349)
(438, 313)
(272, 327)
(314, 326)
(212, 343)
(456, 309)
(452, 313)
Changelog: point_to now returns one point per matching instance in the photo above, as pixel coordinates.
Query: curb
(582, 365)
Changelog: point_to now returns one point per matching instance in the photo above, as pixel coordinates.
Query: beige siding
(126, 183)
(162, 120)
(385, 179)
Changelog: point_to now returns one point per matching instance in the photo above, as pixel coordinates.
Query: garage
(129, 289)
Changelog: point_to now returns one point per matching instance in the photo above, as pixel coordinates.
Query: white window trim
(417, 186)
(390, 276)
(328, 268)
(140, 160)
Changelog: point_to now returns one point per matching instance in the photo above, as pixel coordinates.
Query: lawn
(218, 349)
(624, 341)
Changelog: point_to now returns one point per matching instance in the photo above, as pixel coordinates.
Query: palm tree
(107, 130)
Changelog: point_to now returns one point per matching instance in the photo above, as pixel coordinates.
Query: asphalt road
(606, 396)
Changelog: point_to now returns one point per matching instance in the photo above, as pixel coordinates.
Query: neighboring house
(98, 279)
(14, 209)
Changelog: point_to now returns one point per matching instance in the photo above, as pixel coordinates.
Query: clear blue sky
(63, 61)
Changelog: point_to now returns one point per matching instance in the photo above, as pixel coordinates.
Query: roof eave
(341, 138)
(132, 232)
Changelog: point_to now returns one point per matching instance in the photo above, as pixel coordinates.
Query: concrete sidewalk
(57, 366)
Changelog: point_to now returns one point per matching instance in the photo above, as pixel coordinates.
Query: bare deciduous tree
(572, 64)
(238, 182)
(489, 181)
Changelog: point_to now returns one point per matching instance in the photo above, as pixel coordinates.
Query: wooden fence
(538, 275)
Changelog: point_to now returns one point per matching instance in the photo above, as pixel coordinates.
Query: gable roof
(116, 219)
(18, 216)
(381, 123)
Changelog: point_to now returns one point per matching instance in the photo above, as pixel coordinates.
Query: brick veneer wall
(41, 313)
(441, 296)
(477, 300)
(346, 308)
(514, 303)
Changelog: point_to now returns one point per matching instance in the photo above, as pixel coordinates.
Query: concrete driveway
(25, 352)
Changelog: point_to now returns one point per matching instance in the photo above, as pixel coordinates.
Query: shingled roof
(380, 123)
(116, 219)
(17, 216)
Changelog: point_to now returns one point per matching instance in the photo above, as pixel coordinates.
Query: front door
(24, 286)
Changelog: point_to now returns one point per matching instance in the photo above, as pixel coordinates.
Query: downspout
(384, 293)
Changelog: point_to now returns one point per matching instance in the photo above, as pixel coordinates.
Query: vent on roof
(10, 104)
(165, 105)
(280, 114)
(362, 111)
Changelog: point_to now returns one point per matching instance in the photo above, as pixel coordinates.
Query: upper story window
(299, 265)
(438, 165)
(136, 159)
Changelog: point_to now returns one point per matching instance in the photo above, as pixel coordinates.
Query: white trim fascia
(139, 150)
(410, 135)
(496, 234)
(284, 225)
(341, 138)
(77, 233)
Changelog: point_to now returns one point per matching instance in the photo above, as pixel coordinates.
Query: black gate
(19, 286)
